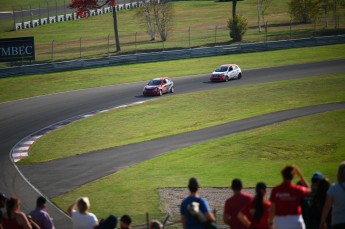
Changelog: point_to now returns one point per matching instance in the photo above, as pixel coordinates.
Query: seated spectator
(81, 217)
(40, 216)
(234, 204)
(14, 218)
(335, 200)
(256, 213)
(155, 224)
(125, 222)
(286, 200)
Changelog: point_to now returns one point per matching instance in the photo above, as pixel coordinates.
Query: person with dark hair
(194, 209)
(155, 224)
(307, 201)
(317, 204)
(335, 200)
(286, 200)
(14, 218)
(256, 213)
(234, 204)
(125, 222)
(81, 217)
(40, 216)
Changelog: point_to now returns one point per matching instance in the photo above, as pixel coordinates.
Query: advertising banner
(17, 49)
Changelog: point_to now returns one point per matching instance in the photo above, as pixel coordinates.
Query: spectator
(109, 223)
(40, 216)
(286, 199)
(317, 204)
(307, 201)
(189, 217)
(234, 204)
(81, 217)
(2, 205)
(14, 218)
(256, 213)
(125, 222)
(155, 224)
(336, 200)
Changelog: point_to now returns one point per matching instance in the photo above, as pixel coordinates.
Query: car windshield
(222, 69)
(154, 82)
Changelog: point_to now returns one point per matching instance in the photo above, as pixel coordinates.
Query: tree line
(157, 15)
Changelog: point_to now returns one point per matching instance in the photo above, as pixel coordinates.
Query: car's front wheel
(172, 90)
(160, 93)
(239, 76)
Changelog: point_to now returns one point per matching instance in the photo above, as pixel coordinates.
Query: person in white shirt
(81, 217)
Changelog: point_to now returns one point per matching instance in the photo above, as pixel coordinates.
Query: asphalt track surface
(21, 118)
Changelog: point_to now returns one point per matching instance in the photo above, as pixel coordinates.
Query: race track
(21, 118)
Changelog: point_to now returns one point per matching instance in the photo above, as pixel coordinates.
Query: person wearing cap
(307, 201)
(286, 199)
(188, 219)
(335, 200)
(234, 204)
(256, 213)
(40, 216)
(125, 222)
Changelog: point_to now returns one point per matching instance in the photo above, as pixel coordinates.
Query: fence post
(135, 42)
(52, 50)
(290, 28)
(80, 47)
(266, 29)
(215, 36)
(189, 36)
(108, 44)
(147, 220)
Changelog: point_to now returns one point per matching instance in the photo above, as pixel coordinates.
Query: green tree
(238, 27)
(305, 11)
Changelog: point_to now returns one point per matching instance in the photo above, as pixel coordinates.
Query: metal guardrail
(168, 55)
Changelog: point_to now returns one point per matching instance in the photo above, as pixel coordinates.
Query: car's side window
(230, 69)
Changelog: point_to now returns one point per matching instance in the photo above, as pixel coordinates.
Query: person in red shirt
(256, 213)
(234, 204)
(286, 199)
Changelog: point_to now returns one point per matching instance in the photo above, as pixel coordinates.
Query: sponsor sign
(17, 49)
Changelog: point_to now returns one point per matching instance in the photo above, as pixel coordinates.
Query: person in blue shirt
(195, 211)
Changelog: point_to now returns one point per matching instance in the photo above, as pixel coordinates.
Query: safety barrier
(168, 55)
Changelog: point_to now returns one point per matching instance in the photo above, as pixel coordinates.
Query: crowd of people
(289, 206)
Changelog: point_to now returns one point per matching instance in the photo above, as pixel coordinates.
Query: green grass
(139, 123)
(314, 143)
(27, 86)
